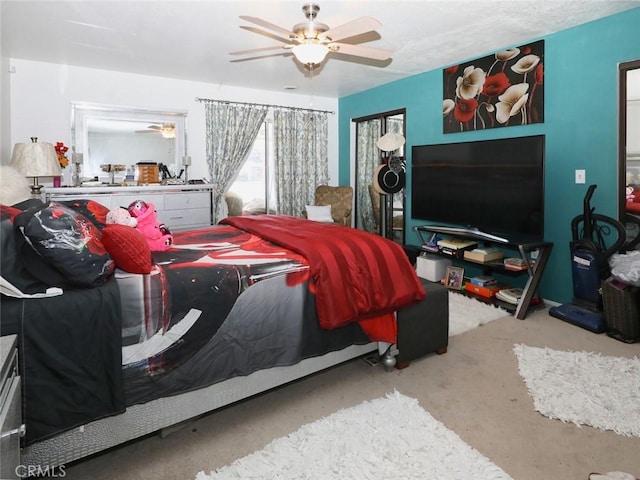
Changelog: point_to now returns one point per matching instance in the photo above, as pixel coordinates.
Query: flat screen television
(492, 186)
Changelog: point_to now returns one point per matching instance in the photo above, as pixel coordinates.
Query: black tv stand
(524, 247)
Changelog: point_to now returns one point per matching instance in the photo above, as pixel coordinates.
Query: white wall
(41, 95)
(5, 120)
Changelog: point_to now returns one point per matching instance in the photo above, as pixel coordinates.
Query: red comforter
(354, 275)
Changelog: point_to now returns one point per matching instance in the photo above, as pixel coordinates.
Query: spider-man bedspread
(227, 301)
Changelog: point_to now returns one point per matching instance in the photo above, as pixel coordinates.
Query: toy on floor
(157, 234)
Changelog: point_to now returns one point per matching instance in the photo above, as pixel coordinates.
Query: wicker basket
(622, 311)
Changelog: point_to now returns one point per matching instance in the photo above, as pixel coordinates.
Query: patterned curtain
(368, 158)
(301, 163)
(231, 130)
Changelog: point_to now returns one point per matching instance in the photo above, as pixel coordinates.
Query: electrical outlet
(581, 176)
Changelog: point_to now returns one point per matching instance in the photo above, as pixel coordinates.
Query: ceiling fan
(311, 41)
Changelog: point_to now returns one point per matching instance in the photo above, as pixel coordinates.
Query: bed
(633, 199)
(225, 313)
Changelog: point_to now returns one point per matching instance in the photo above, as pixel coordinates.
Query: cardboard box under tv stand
(520, 248)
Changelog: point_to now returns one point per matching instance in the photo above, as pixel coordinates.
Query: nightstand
(10, 408)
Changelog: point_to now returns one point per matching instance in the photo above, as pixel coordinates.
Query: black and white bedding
(223, 303)
(220, 304)
(237, 304)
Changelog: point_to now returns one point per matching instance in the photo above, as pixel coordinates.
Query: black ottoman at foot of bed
(423, 328)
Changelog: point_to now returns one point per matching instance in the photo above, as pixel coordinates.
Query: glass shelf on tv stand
(523, 246)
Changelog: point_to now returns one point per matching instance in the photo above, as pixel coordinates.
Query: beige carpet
(474, 390)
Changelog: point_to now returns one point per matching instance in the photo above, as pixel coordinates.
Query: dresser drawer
(179, 201)
(182, 219)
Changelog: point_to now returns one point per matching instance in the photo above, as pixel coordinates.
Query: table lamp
(36, 160)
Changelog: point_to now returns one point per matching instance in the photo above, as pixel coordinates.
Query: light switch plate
(581, 176)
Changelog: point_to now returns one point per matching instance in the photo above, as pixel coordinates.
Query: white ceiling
(192, 39)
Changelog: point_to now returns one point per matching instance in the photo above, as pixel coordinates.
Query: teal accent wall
(580, 124)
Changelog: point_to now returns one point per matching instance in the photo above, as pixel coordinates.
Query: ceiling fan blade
(255, 50)
(275, 28)
(360, 51)
(285, 53)
(353, 28)
(271, 35)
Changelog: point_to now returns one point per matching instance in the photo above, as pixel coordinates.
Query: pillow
(94, 211)
(12, 265)
(14, 187)
(128, 248)
(62, 247)
(319, 213)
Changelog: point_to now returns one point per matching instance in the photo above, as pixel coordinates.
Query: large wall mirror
(381, 214)
(121, 135)
(629, 145)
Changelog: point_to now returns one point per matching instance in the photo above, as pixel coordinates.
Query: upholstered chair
(339, 198)
(398, 222)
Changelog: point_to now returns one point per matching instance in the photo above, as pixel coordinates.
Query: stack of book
(484, 254)
(456, 246)
(515, 264)
(430, 247)
(484, 285)
(510, 295)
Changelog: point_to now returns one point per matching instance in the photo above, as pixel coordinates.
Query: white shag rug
(390, 437)
(583, 388)
(466, 313)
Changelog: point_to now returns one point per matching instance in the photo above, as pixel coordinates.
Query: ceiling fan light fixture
(310, 53)
(168, 130)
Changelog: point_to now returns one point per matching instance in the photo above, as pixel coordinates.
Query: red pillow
(128, 248)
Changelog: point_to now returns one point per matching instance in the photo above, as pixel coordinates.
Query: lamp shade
(36, 160)
(310, 52)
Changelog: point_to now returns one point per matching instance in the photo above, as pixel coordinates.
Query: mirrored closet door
(375, 212)
(629, 148)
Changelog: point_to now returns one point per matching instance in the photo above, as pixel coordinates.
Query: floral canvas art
(499, 90)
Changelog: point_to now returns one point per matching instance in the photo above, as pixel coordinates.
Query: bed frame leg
(388, 360)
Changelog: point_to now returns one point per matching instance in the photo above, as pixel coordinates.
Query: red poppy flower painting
(499, 90)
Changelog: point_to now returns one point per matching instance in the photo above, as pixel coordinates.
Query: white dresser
(179, 207)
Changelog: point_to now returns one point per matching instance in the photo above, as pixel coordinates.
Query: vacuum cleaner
(590, 265)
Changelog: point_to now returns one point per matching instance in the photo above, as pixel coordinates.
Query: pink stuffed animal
(121, 216)
(157, 234)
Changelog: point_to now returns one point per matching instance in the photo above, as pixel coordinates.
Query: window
(255, 182)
